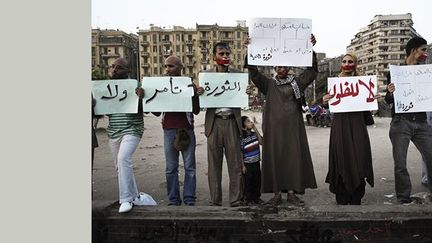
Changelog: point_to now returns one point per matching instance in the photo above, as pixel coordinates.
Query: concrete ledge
(389, 223)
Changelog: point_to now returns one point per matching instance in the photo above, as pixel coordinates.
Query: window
(154, 38)
(238, 35)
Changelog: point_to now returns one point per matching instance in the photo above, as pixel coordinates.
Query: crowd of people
(285, 165)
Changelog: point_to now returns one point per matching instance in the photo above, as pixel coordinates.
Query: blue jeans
(402, 131)
(172, 164)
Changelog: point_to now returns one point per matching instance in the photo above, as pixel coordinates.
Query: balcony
(145, 65)
(110, 55)
(203, 50)
(204, 62)
(166, 42)
(145, 43)
(189, 42)
(144, 54)
(189, 64)
(167, 53)
(189, 53)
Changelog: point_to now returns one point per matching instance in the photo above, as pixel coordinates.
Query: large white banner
(167, 94)
(115, 96)
(413, 88)
(280, 42)
(352, 93)
(223, 90)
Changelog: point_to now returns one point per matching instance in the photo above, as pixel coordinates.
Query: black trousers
(252, 179)
(343, 197)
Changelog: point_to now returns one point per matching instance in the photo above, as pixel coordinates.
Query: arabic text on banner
(352, 93)
(413, 88)
(167, 94)
(280, 42)
(115, 96)
(223, 90)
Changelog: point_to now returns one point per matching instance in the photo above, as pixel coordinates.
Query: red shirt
(175, 120)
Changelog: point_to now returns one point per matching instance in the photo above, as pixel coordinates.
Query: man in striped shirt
(125, 132)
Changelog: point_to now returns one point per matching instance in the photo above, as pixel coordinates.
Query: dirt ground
(149, 165)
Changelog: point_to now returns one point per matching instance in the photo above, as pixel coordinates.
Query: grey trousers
(224, 138)
(402, 131)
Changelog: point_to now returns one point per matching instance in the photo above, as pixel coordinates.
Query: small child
(250, 147)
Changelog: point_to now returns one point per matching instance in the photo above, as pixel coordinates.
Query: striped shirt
(125, 124)
(250, 148)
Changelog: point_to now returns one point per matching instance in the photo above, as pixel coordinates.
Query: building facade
(107, 45)
(193, 46)
(382, 43)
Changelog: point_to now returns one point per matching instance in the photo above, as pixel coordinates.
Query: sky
(334, 22)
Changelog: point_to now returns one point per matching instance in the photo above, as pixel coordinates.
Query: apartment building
(156, 44)
(382, 43)
(107, 45)
(193, 46)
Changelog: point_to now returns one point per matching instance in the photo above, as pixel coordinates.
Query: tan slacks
(224, 137)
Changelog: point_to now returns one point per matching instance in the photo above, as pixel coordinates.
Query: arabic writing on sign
(280, 42)
(173, 89)
(115, 96)
(167, 94)
(413, 88)
(223, 89)
(111, 95)
(403, 107)
(352, 93)
(349, 89)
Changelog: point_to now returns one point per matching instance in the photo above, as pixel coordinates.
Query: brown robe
(286, 163)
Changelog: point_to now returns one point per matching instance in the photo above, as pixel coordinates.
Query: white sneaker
(125, 207)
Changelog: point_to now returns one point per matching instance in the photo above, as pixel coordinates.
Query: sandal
(276, 200)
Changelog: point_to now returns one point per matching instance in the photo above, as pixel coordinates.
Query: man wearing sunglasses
(124, 133)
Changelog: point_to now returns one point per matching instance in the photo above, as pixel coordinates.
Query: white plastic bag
(145, 199)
